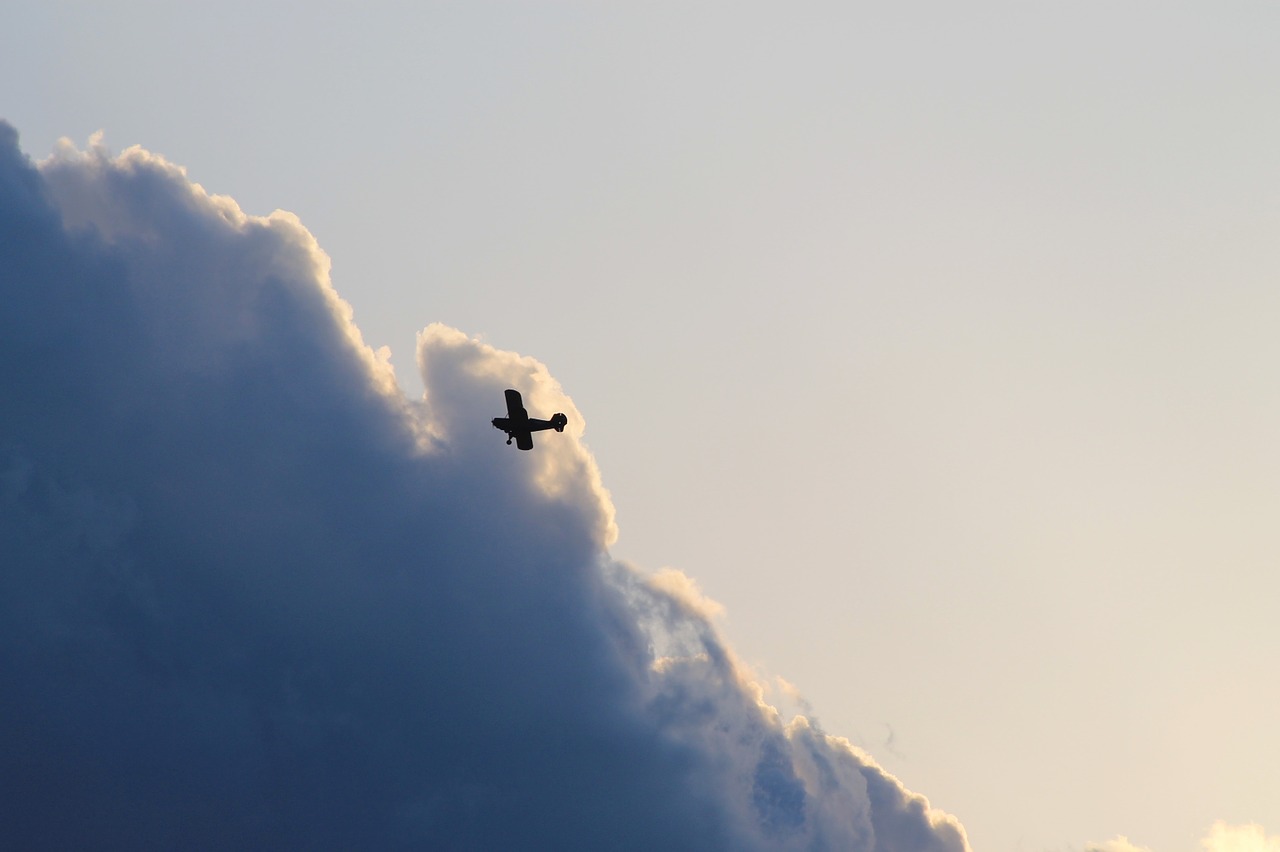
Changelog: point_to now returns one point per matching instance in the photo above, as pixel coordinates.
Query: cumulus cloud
(252, 597)
(1240, 838)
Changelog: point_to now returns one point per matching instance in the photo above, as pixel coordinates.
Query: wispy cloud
(1116, 844)
(252, 597)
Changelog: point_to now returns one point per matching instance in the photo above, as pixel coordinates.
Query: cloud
(252, 597)
(1240, 838)
(1118, 844)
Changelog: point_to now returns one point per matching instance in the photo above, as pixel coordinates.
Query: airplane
(520, 426)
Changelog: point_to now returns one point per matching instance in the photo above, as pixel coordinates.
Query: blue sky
(935, 344)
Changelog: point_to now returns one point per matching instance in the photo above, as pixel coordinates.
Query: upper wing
(518, 421)
(515, 406)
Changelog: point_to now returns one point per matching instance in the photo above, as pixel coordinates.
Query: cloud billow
(251, 597)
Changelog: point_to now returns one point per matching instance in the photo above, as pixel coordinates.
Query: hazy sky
(935, 342)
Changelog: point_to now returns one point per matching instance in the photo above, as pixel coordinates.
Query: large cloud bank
(251, 597)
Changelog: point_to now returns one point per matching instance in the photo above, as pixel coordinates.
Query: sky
(932, 344)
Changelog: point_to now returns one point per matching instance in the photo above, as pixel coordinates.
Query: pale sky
(936, 343)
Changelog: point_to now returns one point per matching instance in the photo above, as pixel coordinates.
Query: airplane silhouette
(520, 426)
